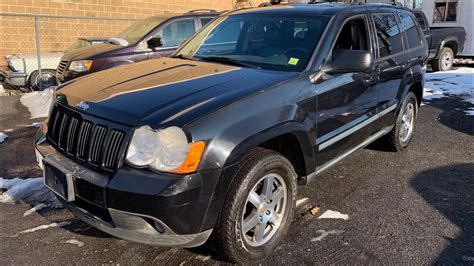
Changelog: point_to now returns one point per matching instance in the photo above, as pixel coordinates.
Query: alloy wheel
(407, 122)
(264, 210)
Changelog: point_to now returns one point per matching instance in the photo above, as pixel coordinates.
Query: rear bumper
(12, 77)
(142, 206)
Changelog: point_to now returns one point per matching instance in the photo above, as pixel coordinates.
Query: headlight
(165, 150)
(80, 66)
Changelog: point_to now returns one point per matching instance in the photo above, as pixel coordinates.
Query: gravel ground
(413, 207)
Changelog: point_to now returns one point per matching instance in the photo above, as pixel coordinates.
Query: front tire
(445, 60)
(401, 134)
(46, 80)
(258, 208)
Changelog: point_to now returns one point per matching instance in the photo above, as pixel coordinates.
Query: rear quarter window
(408, 25)
(388, 34)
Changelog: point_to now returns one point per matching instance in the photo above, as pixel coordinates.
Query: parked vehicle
(151, 38)
(452, 13)
(444, 43)
(217, 137)
(22, 71)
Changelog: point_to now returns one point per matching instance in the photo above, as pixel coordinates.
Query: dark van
(217, 138)
(151, 38)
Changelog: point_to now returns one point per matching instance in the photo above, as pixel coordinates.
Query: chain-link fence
(31, 46)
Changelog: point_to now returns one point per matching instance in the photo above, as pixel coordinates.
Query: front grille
(61, 67)
(96, 143)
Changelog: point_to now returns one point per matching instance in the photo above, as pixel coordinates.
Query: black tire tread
(226, 245)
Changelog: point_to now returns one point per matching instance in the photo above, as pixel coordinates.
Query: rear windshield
(137, 31)
(275, 43)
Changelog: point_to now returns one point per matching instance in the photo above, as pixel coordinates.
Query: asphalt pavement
(412, 207)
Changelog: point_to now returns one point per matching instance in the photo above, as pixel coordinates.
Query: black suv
(216, 139)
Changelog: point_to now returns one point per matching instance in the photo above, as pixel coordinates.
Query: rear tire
(401, 134)
(445, 60)
(249, 234)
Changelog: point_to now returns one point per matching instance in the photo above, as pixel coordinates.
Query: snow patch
(3, 137)
(31, 191)
(45, 226)
(36, 208)
(38, 102)
(75, 242)
(324, 234)
(2, 90)
(458, 82)
(9, 130)
(329, 214)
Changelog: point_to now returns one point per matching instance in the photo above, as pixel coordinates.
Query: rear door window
(421, 21)
(388, 34)
(408, 25)
(204, 21)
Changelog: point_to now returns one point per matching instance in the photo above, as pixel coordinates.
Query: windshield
(266, 42)
(138, 30)
(79, 43)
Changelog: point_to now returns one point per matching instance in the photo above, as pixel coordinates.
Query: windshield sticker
(293, 61)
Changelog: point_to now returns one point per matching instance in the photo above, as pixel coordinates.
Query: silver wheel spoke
(255, 199)
(268, 187)
(277, 196)
(250, 222)
(259, 232)
(275, 218)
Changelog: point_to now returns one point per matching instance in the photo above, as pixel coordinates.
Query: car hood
(90, 52)
(164, 91)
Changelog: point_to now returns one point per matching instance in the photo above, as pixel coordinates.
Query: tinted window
(407, 24)
(282, 43)
(204, 21)
(176, 32)
(421, 20)
(388, 35)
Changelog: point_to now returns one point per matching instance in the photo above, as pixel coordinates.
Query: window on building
(408, 25)
(445, 11)
(388, 35)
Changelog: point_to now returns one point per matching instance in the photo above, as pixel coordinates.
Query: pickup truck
(444, 43)
(216, 139)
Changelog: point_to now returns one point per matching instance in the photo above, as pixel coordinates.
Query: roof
(327, 9)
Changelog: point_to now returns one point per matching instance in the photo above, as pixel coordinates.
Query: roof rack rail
(202, 10)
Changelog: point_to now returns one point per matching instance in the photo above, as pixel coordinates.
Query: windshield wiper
(227, 60)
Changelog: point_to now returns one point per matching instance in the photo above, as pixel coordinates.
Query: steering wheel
(296, 49)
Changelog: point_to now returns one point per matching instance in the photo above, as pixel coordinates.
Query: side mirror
(345, 61)
(154, 42)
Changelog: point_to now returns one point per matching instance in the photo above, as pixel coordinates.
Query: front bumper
(13, 78)
(139, 205)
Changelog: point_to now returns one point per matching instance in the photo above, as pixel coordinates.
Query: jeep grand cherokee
(216, 139)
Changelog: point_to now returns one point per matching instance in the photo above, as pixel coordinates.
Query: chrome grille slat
(71, 134)
(97, 144)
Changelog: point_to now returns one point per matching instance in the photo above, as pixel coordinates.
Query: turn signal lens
(192, 160)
